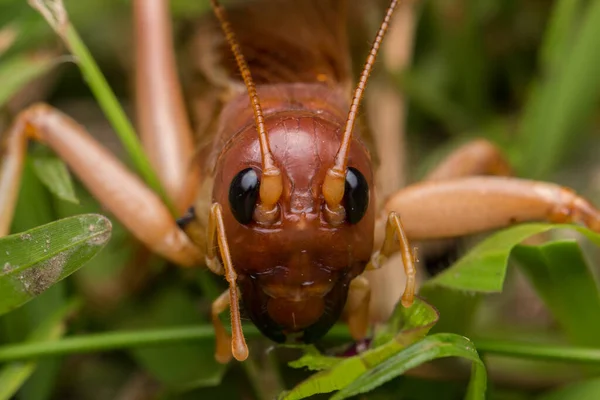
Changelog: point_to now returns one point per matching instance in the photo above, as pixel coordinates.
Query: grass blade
(560, 105)
(411, 324)
(12, 376)
(53, 173)
(483, 269)
(436, 346)
(560, 275)
(19, 70)
(56, 15)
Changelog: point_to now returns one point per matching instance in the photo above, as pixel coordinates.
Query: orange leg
(217, 238)
(444, 209)
(223, 340)
(478, 157)
(397, 240)
(357, 307)
(164, 125)
(115, 187)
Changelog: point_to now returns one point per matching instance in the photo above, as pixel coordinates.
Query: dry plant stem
(475, 204)
(132, 202)
(8, 34)
(387, 105)
(56, 15)
(387, 109)
(164, 128)
(262, 377)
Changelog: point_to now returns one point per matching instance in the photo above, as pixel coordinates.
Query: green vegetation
(508, 320)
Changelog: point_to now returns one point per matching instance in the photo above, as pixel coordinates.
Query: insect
(283, 196)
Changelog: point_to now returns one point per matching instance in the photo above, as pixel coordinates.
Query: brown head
(294, 269)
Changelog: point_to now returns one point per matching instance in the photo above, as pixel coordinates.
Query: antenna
(271, 185)
(335, 179)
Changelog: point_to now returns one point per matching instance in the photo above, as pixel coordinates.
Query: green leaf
(436, 346)
(560, 275)
(13, 375)
(32, 261)
(411, 324)
(35, 208)
(19, 70)
(483, 269)
(587, 390)
(53, 173)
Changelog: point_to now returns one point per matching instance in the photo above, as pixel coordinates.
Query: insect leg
(124, 194)
(396, 239)
(450, 208)
(223, 340)
(217, 237)
(357, 307)
(477, 157)
(164, 126)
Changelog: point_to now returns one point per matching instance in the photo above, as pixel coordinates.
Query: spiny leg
(137, 207)
(357, 307)
(444, 209)
(216, 237)
(397, 240)
(164, 126)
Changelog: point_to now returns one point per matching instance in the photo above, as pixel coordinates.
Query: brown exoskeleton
(283, 196)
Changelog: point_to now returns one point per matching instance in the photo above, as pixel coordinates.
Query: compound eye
(243, 194)
(356, 195)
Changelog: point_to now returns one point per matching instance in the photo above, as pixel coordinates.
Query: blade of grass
(436, 346)
(56, 15)
(54, 174)
(483, 269)
(537, 351)
(17, 71)
(560, 32)
(12, 376)
(118, 340)
(586, 390)
(408, 325)
(564, 101)
(560, 275)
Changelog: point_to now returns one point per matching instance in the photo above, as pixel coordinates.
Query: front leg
(356, 311)
(218, 239)
(396, 240)
(116, 188)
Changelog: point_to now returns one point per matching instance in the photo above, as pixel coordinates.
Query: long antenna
(334, 184)
(271, 183)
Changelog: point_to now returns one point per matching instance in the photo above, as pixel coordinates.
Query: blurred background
(524, 74)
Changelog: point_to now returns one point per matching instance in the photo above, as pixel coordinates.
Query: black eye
(243, 193)
(356, 195)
